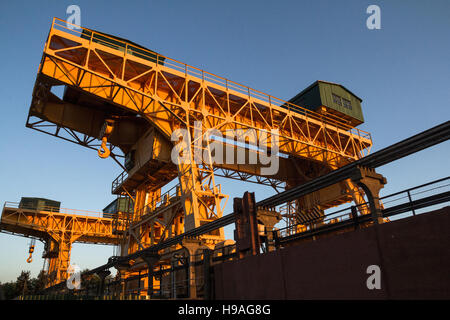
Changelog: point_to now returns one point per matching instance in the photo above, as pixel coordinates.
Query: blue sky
(402, 73)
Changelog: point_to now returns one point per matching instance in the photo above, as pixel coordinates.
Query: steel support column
(151, 261)
(246, 232)
(371, 182)
(102, 274)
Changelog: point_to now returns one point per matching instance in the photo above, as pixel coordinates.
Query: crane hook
(103, 151)
(31, 250)
(105, 132)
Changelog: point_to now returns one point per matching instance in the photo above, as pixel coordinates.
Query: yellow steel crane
(58, 228)
(137, 100)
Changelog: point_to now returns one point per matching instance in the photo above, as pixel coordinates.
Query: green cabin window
(347, 104)
(337, 99)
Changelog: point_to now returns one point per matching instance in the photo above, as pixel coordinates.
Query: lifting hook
(31, 250)
(107, 128)
(103, 151)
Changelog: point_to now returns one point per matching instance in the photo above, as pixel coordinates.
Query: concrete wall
(413, 255)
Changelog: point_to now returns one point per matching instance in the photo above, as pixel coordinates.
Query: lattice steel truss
(58, 229)
(171, 95)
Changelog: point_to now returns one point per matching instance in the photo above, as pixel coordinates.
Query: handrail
(130, 48)
(229, 218)
(416, 187)
(16, 205)
(334, 217)
(163, 199)
(117, 182)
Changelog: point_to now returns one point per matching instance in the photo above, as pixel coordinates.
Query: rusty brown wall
(413, 254)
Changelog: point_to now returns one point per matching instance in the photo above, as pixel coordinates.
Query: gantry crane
(136, 100)
(58, 229)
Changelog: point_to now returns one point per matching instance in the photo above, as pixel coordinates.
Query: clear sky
(402, 73)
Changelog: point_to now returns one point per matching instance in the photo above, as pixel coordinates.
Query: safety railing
(225, 253)
(423, 197)
(52, 209)
(405, 198)
(158, 202)
(172, 281)
(129, 49)
(117, 182)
